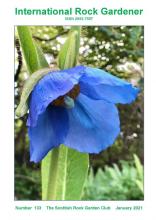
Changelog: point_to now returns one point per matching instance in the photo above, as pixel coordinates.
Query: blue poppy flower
(76, 107)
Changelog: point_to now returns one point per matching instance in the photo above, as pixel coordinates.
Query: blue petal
(50, 131)
(49, 88)
(93, 125)
(99, 84)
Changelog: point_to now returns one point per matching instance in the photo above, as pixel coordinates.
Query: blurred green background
(116, 173)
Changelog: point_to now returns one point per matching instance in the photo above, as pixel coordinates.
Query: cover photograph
(77, 117)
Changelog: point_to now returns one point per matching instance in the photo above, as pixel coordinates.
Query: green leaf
(64, 172)
(70, 50)
(139, 166)
(32, 54)
(41, 58)
(140, 185)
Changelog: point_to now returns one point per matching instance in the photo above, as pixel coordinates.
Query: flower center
(67, 100)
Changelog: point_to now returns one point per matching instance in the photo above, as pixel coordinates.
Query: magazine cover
(76, 120)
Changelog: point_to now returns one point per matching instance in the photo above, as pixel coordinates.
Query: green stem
(64, 171)
(56, 165)
(50, 163)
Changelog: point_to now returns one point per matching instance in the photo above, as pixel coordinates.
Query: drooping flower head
(76, 107)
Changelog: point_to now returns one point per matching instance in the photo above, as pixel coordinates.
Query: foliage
(120, 182)
(117, 49)
(27, 183)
